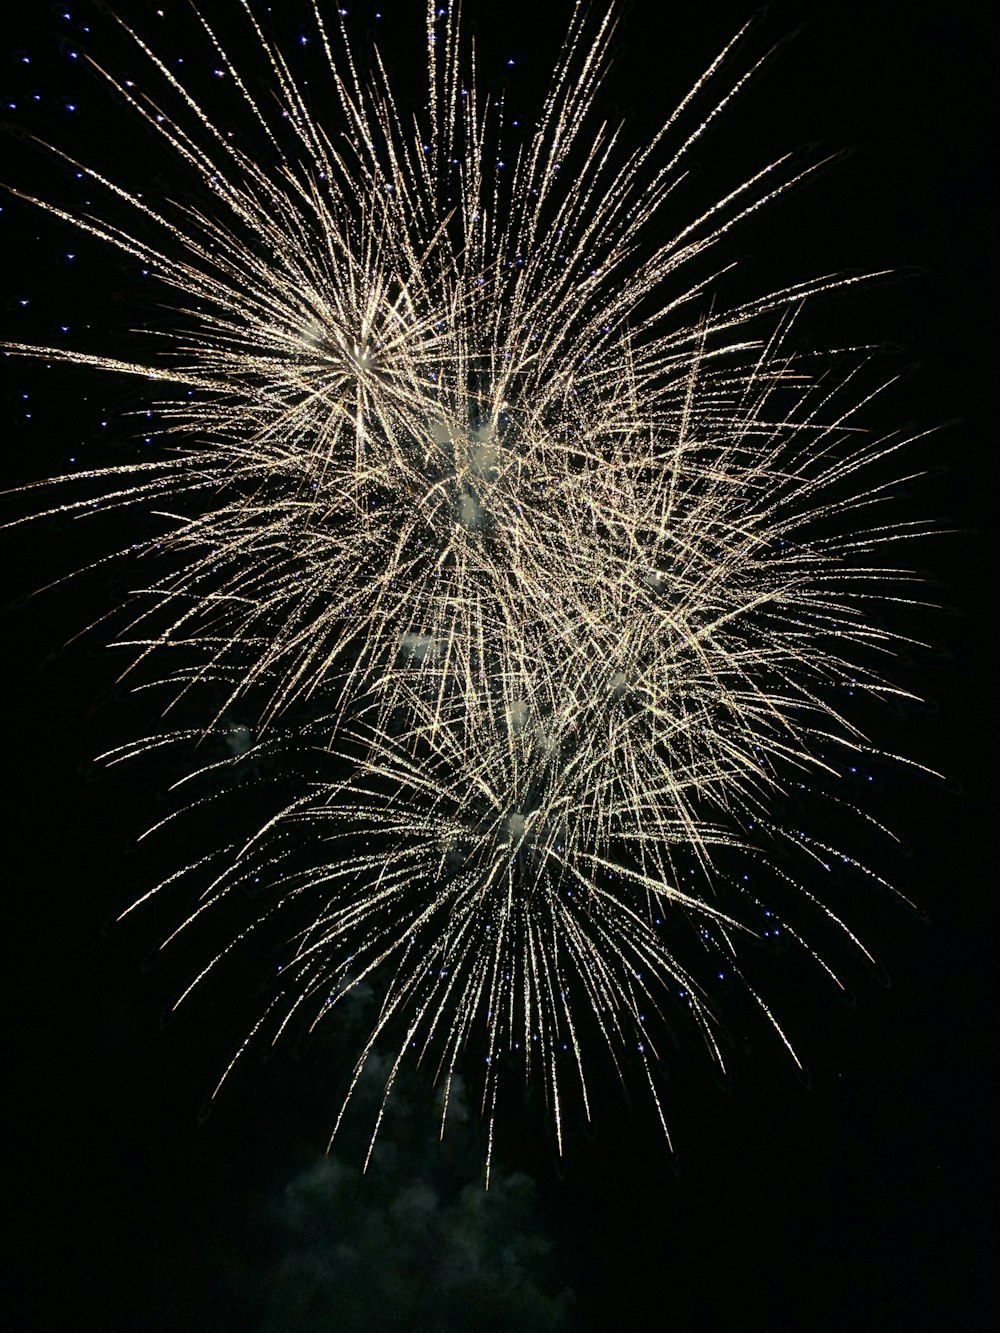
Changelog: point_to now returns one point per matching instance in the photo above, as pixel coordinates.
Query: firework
(557, 581)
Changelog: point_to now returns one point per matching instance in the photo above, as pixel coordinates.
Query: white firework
(559, 577)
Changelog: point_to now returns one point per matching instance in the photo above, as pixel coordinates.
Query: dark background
(865, 1200)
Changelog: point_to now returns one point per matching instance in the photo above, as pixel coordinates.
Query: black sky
(866, 1200)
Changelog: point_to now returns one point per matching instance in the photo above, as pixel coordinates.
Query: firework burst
(556, 580)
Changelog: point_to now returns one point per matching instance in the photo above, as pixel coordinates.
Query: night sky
(863, 1197)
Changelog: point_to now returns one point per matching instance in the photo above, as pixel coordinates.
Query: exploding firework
(555, 578)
